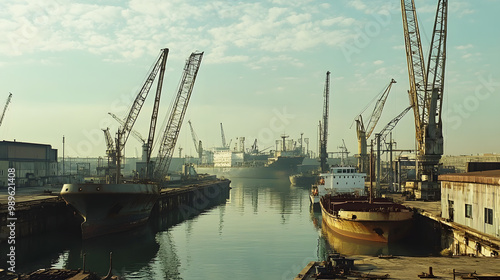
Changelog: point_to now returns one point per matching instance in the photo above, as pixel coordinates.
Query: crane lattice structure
(134, 133)
(5, 107)
(426, 89)
(223, 136)
(323, 136)
(364, 134)
(174, 123)
(126, 128)
(197, 143)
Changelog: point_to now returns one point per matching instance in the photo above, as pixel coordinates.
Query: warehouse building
(471, 201)
(35, 164)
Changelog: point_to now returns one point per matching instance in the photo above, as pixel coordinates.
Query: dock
(457, 238)
(39, 210)
(458, 267)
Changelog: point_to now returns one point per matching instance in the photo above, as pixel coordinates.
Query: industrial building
(34, 163)
(471, 202)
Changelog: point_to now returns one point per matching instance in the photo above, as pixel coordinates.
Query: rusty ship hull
(355, 217)
(110, 208)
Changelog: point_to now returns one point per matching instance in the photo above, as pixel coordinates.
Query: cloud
(464, 47)
(229, 32)
(378, 62)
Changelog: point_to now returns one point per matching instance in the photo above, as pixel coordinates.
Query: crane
(126, 128)
(324, 126)
(136, 134)
(254, 149)
(197, 143)
(5, 107)
(174, 123)
(426, 90)
(224, 145)
(380, 137)
(110, 151)
(363, 134)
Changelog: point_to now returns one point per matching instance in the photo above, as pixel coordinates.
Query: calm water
(266, 229)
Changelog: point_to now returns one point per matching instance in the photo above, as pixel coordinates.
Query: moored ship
(340, 180)
(110, 208)
(363, 218)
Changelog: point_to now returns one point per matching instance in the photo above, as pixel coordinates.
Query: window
(468, 211)
(488, 216)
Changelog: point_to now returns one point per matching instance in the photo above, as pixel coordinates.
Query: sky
(69, 63)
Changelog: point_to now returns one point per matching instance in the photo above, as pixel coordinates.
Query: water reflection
(132, 251)
(349, 246)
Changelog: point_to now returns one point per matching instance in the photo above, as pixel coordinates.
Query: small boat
(111, 208)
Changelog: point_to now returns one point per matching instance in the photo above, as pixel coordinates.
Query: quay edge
(38, 215)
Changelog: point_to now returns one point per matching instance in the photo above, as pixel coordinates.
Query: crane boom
(174, 123)
(324, 125)
(426, 91)
(109, 141)
(156, 106)
(377, 110)
(5, 107)
(223, 137)
(126, 128)
(415, 62)
(363, 134)
(388, 127)
(195, 137)
(134, 133)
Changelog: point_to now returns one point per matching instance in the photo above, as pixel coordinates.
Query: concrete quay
(41, 209)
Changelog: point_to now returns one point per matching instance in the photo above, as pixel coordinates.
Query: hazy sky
(69, 63)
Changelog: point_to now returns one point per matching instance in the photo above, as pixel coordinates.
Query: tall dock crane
(126, 128)
(426, 92)
(174, 123)
(223, 136)
(363, 134)
(324, 126)
(198, 146)
(134, 133)
(5, 107)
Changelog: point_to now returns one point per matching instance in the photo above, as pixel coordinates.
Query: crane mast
(223, 136)
(154, 114)
(426, 89)
(197, 143)
(324, 126)
(126, 128)
(363, 134)
(174, 123)
(5, 107)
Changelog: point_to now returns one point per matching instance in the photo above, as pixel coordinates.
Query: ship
(111, 208)
(256, 164)
(360, 217)
(340, 180)
(348, 211)
(304, 178)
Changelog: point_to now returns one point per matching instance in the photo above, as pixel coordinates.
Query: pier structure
(39, 212)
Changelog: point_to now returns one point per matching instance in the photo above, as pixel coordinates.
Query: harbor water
(265, 229)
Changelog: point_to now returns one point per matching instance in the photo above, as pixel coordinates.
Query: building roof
(490, 177)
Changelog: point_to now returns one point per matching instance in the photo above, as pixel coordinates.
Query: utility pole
(63, 158)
